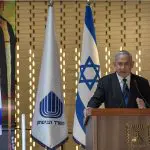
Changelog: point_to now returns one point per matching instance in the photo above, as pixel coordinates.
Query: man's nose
(122, 66)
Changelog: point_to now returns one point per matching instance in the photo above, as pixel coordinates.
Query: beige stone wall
(118, 24)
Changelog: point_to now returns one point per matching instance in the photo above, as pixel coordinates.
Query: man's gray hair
(123, 52)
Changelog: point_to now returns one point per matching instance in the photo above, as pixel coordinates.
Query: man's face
(123, 65)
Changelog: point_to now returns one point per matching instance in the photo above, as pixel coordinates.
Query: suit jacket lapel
(117, 92)
(133, 92)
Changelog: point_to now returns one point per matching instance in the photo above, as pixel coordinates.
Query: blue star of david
(89, 64)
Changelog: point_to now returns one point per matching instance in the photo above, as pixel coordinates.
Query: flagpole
(23, 129)
(88, 2)
(51, 3)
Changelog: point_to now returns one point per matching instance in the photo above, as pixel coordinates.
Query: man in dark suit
(121, 89)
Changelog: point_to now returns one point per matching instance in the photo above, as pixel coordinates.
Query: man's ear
(132, 65)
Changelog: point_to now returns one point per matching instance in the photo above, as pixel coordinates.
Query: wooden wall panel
(118, 24)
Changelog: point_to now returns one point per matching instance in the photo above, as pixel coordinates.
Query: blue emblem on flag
(51, 106)
(94, 69)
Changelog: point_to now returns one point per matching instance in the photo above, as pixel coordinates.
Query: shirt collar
(121, 79)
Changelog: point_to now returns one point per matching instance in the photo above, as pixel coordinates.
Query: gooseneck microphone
(145, 101)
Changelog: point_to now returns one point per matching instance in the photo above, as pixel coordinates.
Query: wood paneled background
(119, 25)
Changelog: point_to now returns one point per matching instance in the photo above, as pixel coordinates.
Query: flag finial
(88, 2)
(51, 2)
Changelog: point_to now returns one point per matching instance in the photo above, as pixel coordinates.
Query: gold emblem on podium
(138, 135)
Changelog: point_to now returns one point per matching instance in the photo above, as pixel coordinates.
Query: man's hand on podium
(140, 103)
(87, 113)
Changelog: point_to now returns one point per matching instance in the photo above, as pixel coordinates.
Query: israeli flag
(89, 76)
(0, 112)
(49, 126)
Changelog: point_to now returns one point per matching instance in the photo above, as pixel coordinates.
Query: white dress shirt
(121, 81)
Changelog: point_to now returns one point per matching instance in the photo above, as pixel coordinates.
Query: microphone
(145, 101)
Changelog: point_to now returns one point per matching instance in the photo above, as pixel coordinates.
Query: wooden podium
(118, 129)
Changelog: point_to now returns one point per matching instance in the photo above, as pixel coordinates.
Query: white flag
(0, 112)
(49, 124)
(89, 76)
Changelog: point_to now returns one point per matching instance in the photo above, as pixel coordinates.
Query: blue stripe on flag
(79, 111)
(89, 22)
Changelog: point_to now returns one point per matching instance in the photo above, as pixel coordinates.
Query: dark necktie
(125, 91)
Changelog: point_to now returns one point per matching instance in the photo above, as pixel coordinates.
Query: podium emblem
(138, 135)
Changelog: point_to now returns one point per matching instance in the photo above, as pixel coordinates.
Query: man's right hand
(87, 113)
